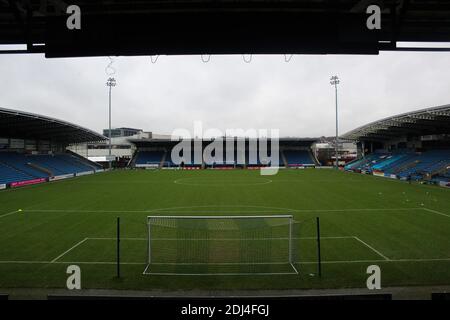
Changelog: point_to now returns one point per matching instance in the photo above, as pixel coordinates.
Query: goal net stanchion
(235, 245)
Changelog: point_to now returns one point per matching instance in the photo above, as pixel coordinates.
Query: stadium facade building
(122, 149)
(408, 146)
(33, 149)
(325, 151)
(121, 132)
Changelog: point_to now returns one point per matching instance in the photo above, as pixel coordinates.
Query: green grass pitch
(404, 228)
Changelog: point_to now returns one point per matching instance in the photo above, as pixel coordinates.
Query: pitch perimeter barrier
(27, 182)
(61, 177)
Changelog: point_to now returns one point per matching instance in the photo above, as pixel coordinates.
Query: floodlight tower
(334, 81)
(111, 82)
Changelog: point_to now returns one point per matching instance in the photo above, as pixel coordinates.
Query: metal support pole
(149, 258)
(337, 131)
(319, 257)
(118, 247)
(109, 133)
(335, 81)
(290, 240)
(110, 83)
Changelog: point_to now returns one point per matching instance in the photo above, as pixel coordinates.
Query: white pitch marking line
(133, 239)
(436, 212)
(353, 210)
(219, 274)
(237, 211)
(377, 260)
(298, 262)
(372, 248)
(295, 269)
(8, 214)
(233, 183)
(225, 239)
(219, 263)
(67, 251)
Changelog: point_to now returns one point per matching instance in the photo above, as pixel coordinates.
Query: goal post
(206, 244)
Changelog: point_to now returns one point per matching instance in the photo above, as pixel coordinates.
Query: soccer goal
(220, 245)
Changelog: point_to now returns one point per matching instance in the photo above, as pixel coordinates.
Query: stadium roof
(24, 125)
(152, 27)
(423, 122)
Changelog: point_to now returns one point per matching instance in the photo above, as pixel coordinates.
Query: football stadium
(134, 213)
(215, 229)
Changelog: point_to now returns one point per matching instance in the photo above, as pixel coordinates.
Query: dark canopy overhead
(24, 125)
(417, 123)
(153, 27)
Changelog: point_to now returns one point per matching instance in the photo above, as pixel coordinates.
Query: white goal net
(202, 245)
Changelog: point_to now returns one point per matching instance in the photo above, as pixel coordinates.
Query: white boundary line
(226, 239)
(145, 272)
(436, 212)
(233, 183)
(8, 214)
(65, 252)
(132, 239)
(293, 267)
(221, 211)
(298, 262)
(218, 263)
(372, 248)
(222, 274)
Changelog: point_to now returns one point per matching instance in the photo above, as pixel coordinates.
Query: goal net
(201, 245)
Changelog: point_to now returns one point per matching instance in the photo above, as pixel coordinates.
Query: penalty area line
(70, 249)
(372, 248)
(436, 212)
(8, 214)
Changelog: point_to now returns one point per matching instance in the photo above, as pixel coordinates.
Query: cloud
(295, 97)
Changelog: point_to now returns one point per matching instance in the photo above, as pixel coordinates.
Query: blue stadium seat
(15, 167)
(8, 175)
(298, 157)
(404, 163)
(150, 157)
(20, 162)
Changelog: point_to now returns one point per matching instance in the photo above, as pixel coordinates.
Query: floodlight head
(111, 82)
(334, 80)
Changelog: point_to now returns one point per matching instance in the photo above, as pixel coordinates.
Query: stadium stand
(15, 167)
(405, 164)
(293, 152)
(33, 149)
(298, 158)
(366, 163)
(153, 158)
(19, 162)
(9, 174)
(422, 156)
(60, 163)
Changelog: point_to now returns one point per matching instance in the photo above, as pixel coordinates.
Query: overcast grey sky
(295, 97)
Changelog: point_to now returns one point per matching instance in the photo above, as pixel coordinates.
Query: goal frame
(290, 218)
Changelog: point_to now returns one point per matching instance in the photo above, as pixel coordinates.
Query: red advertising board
(27, 182)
